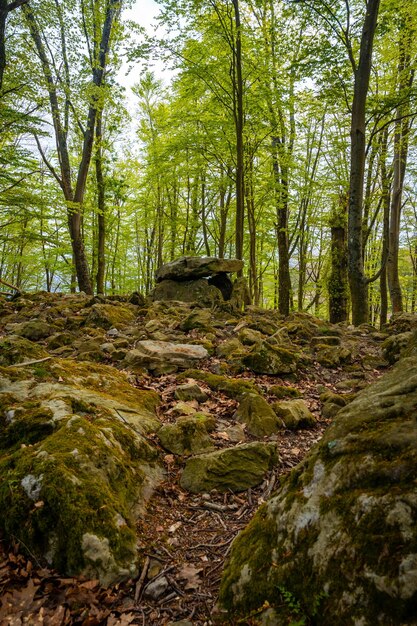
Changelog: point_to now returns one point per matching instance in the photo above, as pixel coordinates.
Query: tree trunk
(74, 198)
(281, 191)
(357, 279)
(239, 122)
(402, 130)
(385, 184)
(338, 280)
(101, 208)
(5, 9)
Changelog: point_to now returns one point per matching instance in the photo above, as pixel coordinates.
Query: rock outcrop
(76, 470)
(337, 544)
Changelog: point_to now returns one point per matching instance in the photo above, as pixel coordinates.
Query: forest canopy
(285, 136)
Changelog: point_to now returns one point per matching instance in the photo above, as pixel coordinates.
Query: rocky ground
(201, 402)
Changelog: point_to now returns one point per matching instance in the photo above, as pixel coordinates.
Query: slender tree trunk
(203, 215)
(74, 197)
(101, 208)
(402, 130)
(338, 280)
(385, 184)
(281, 191)
(357, 279)
(5, 8)
(239, 124)
(250, 207)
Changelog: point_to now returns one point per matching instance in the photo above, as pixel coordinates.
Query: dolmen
(197, 279)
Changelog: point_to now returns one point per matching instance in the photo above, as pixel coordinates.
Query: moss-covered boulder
(250, 336)
(74, 473)
(284, 391)
(190, 391)
(231, 387)
(193, 267)
(393, 346)
(15, 349)
(115, 315)
(232, 469)
(199, 318)
(339, 541)
(259, 417)
(333, 402)
(326, 340)
(189, 435)
(58, 340)
(295, 414)
(401, 323)
(230, 348)
(188, 291)
(332, 356)
(36, 330)
(273, 360)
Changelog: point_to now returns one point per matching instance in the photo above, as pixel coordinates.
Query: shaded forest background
(285, 137)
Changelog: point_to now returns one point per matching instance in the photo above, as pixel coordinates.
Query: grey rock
(189, 434)
(232, 469)
(153, 355)
(190, 391)
(259, 417)
(156, 588)
(346, 515)
(295, 414)
(188, 267)
(35, 330)
(188, 291)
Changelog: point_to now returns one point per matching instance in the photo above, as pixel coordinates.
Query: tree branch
(16, 4)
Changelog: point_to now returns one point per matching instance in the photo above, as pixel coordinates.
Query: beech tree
(58, 86)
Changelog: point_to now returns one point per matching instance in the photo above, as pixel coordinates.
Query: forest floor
(188, 536)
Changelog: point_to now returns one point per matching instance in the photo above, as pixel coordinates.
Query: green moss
(90, 476)
(14, 349)
(231, 387)
(282, 391)
(103, 379)
(29, 424)
(273, 360)
(254, 544)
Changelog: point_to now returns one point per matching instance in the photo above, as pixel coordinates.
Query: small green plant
(40, 371)
(294, 607)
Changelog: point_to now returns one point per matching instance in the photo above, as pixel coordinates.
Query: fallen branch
(3, 282)
(46, 358)
(141, 582)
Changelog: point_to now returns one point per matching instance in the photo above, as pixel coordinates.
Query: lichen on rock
(339, 533)
(231, 469)
(72, 466)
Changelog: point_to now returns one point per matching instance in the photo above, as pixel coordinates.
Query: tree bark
(385, 184)
(5, 9)
(357, 279)
(338, 280)
(401, 136)
(101, 208)
(281, 191)
(239, 123)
